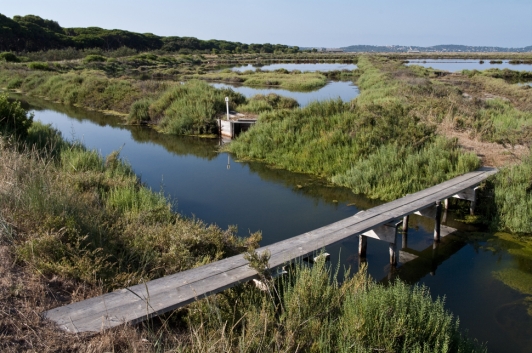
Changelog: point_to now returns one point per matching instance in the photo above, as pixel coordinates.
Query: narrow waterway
(454, 65)
(345, 90)
(303, 67)
(214, 187)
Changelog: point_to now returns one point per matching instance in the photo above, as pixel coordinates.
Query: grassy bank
(191, 108)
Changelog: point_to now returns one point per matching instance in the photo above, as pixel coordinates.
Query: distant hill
(33, 33)
(437, 48)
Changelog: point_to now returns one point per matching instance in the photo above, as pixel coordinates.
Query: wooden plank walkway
(139, 302)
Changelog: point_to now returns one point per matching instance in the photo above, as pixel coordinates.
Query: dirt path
(492, 154)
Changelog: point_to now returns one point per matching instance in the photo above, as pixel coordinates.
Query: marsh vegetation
(75, 224)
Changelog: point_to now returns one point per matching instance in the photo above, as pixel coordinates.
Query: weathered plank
(139, 302)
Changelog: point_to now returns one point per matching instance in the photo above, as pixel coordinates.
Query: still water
(217, 189)
(301, 67)
(333, 90)
(454, 65)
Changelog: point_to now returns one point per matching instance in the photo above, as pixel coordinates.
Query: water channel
(333, 90)
(454, 65)
(216, 188)
(301, 67)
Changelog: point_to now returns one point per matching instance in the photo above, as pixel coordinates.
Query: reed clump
(306, 81)
(14, 122)
(188, 109)
(310, 311)
(267, 102)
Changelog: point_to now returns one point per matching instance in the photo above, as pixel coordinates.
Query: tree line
(32, 33)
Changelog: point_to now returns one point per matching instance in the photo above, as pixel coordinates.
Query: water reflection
(459, 65)
(333, 90)
(303, 67)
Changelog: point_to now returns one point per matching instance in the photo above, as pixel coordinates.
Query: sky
(305, 23)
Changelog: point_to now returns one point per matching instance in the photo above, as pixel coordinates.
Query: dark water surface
(217, 189)
(333, 90)
(454, 65)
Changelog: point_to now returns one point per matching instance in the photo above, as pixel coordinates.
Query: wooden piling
(393, 258)
(437, 222)
(405, 223)
(404, 242)
(473, 202)
(362, 246)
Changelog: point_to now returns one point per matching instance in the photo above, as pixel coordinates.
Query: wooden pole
(437, 222)
(404, 242)
(473, 203)
(393, 258)
(362, 246)
(405, 224)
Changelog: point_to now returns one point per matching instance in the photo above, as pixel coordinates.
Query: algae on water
(518, 277)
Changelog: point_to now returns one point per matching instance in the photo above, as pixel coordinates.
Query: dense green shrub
(39, 66)
(192, 108)
(506, 199)
(139, 112)
(310, 311)
(260, 103)
(94, 58)
(14, 83)
(9, 57)
(13, 118)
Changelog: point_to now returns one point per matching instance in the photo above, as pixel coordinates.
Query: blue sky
(331, 23)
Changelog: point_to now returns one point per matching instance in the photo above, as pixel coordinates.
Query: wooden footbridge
(142, 301)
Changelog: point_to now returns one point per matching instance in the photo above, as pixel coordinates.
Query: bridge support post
(437, 222)
(393, 257)
(362, 246)
(404, 242)
(469, 194)
(386, 232)
(473, 202)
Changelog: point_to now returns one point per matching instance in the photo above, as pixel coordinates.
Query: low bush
(260, 103)
(191, 108)
(139, 112)
(9, 57)
(94, 58)
(39, 66)
(13, 119)
(310, 311)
